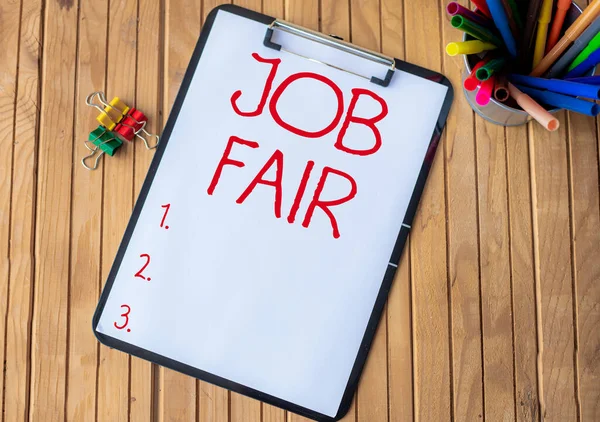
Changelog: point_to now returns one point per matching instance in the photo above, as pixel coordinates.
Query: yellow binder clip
(110, 113)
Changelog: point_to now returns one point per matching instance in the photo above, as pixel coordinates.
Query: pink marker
(486, 90)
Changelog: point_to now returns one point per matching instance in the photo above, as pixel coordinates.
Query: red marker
(482, 7)
(471, 82)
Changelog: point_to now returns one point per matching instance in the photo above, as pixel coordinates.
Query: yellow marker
(542, 31)
(468, 47)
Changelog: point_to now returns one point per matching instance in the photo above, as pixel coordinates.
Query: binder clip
(102, 140)
(110, 113)
(118, 122)
(134, 124)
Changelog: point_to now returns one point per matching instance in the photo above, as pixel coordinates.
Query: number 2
(139, 273)
(126, 316)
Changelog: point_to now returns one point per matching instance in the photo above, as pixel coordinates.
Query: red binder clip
(134, 124)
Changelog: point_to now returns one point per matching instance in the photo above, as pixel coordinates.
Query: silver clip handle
(333, 42)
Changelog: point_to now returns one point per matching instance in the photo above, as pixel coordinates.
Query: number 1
(162, 222)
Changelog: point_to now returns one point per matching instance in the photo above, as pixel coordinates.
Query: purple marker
(454, 8)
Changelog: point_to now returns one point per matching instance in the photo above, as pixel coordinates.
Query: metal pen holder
(509, 113)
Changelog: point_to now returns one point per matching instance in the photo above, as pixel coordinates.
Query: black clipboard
(386, 283)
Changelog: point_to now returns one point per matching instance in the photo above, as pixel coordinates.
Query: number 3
(126, 316)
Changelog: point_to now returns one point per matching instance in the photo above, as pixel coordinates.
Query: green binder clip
(100, 140)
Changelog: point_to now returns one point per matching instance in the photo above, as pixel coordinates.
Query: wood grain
(114, 376)
(522, 274)
(371, 397)
(213, 401)
(178, 399)
(271, 413)
(335, 19)
(53, 216)
(496, 296)
(585, 221)
(551, 225)
(431, 348)
(9, 32)
(305, 13)
(24, 146)
(148, 96)
(86, 223)
(463, 248)
(245, 409)
(508, 229)
(399, 312)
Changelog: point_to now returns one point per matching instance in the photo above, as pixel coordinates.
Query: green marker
(475, 30)
(516, 15)
(593, 45)
(486, 71)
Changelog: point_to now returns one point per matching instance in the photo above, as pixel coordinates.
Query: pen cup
(509, 113)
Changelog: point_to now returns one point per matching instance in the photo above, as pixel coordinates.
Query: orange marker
(574, 31)
(562, 7)
(539, 113)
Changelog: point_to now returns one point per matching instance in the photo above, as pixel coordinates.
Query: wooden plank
(399, 312)
(9, 33)
(584, 157)
(18, 142)
(182, 27)
(208, 5)
(496, 300)
(371, 398)
(148, 99)
(335, 19)
(305, 13)
(585, 220)
(178, 398)
(213, 401)
(52, 228)
(86, 219)
(399, 321)
(550, 192)
(245, 409)
(463, 247)
(271, 413)
(114, 370)
(522, 274)
(49, 326)
(431, 348)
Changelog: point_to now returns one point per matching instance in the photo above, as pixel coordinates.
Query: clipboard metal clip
(331, 41)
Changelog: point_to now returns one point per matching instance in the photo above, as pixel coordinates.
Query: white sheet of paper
(235, 291)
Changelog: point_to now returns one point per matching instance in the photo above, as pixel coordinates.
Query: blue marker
(501, 20)
(562, 101)
(590, 80)
(556, 85)
(585, 66)
(580, 43)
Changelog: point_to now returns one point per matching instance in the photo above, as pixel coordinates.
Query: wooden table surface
(494, 315)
